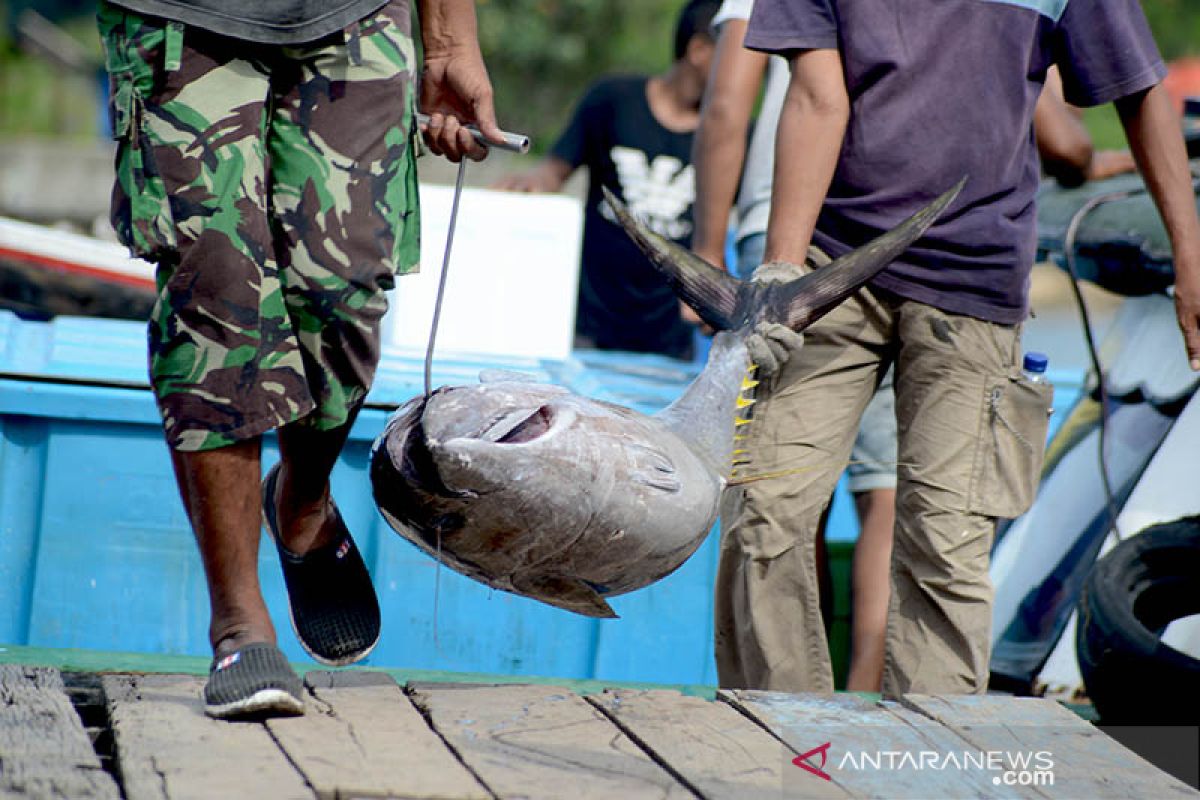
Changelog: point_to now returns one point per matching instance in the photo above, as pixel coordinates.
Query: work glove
(770, 346)
(771, 343)
(776, 272)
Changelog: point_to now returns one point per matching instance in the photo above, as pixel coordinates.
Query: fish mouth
(520, 426)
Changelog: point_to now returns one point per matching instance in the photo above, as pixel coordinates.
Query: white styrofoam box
(514, 273)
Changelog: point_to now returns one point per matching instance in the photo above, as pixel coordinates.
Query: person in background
(882, 112)
(634, 135)
(266, 164)
(721, 156)
(727, 167)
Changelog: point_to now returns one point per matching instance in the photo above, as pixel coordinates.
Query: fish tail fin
(726, 303)
(711, 291)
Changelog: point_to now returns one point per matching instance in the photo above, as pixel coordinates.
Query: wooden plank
(362, 737)
(541, 742)
(871, 751)
(712, 747)
(167, 749)
(1086, 762)
(44, 750)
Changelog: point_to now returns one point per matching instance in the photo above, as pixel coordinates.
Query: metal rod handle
(513, 142)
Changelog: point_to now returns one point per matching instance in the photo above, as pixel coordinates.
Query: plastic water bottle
(1035, 367)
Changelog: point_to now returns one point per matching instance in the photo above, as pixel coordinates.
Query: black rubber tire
(1130, 597)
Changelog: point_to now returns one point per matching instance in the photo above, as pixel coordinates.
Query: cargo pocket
(141, 212)
(1011, 445)
(141, 209)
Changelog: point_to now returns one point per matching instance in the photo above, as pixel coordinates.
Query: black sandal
(331, 598)
(256, 680)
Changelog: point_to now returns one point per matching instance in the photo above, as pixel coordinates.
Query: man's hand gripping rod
(517, 143)
(513, 142)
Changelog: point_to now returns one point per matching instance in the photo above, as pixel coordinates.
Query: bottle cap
(1035, 362)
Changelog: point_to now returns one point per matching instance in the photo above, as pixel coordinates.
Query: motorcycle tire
(1129, 598)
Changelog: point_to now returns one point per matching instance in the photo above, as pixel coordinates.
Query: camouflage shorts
(275, 187)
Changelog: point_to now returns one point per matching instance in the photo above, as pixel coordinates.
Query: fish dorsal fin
(496, 375)
(804, 300)
(711, 291)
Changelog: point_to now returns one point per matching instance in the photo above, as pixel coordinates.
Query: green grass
(1105, 127)
(38, 100)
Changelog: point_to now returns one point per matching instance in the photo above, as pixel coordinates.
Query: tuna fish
(532, 489)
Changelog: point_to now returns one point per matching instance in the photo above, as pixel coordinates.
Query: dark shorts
(275, 188)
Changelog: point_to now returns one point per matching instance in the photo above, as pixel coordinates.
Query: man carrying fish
(888, 104)
(266, 164)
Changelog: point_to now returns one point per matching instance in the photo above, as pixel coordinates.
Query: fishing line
(513, 142)
(437, 316)
(441, 291)
(517, 143)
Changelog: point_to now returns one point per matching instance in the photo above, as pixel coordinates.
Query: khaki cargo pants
(971, 434)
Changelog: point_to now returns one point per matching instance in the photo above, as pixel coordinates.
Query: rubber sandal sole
(256, 680)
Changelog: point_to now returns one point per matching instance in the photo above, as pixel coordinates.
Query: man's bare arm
(1154, 134)
(1062, 140)
(719, 148)
(548, 175)
(1065, 144)
(455, 88)
(807, 145)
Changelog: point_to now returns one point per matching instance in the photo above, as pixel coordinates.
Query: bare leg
(870, 588)
(221, 495)
(220, 491)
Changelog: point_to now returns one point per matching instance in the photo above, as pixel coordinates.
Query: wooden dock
(126, 735)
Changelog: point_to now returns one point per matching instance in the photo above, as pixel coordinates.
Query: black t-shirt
(624, 303)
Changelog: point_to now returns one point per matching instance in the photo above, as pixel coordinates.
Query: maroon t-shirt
(940, 89)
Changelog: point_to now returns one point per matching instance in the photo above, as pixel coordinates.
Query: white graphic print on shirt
(659, 192)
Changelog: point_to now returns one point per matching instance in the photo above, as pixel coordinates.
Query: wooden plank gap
(532, 741)
(411, 692)
(168, 749)
(727, 697)
(713, 746)
(362, 737)
(646, 748)
(732, 698)
(44, 749)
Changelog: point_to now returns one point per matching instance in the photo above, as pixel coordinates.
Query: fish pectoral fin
(653, 468)
(572, 594)
(657, 480)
